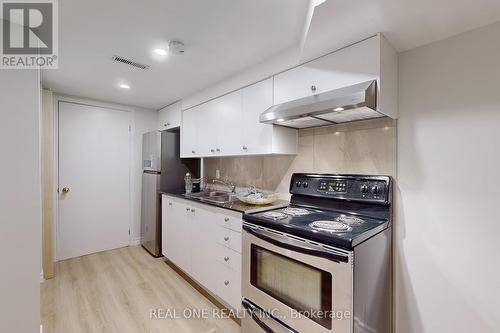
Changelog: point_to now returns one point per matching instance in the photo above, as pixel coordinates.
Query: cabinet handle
(226, 238)
(226, 282)
(218, 149)
(244, 147)
(192, 210)
(226, 258)
(170, 204)
(212, 150)
(226, 219)
(192, 151)
(313, 88)
(187, 209)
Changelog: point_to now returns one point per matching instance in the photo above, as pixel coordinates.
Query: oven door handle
(252, 309)
(294, 245)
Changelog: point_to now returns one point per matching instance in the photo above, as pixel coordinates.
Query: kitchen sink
(217, 197)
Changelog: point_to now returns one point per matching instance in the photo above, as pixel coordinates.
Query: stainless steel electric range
(323, 264)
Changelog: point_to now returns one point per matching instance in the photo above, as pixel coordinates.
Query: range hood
(356, 102)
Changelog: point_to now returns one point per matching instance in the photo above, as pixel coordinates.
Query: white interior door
(94, 167)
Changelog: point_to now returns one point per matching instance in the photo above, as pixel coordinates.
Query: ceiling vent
(129, 62)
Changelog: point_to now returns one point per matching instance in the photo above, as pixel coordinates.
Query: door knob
(65, 189)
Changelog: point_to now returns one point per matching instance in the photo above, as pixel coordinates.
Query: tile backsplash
(363, 147)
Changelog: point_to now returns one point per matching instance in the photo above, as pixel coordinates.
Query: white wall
(266, 69)
(20, 201)
(142, 120)
(447, 225)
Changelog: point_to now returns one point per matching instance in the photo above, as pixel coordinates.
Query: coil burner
(330, 226)
(274, 215)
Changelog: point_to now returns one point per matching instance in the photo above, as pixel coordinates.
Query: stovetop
(343, 218)
(336, 228)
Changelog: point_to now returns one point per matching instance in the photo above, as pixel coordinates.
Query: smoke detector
(176, 47)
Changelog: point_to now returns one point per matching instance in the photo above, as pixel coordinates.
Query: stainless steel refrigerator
(163, 170)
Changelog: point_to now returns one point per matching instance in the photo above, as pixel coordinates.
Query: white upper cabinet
(189, 132)
(228, 120)
(256, 137)
(230, 126)
(371, 59)
(169, 117)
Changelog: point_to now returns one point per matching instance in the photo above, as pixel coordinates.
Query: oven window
(302, 287)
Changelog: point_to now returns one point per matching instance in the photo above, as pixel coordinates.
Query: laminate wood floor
(115, 291)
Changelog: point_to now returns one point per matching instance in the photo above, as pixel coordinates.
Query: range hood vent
(356, 102)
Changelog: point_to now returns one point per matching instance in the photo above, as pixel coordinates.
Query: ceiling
(221, 37)
(406, 23)
(224, 37)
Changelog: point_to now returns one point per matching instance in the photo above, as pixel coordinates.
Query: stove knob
(376, 190)
(364, 189)
(305, 184)
(298, 184)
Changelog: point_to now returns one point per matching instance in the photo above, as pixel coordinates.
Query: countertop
(237, 205)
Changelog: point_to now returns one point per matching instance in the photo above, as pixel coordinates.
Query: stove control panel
(347, 187)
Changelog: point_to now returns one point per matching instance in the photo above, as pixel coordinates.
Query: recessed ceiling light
(280, 120)
(161, 52)
(124, 86)
(338, 109)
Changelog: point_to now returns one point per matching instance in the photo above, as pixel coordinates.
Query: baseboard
(135, 241)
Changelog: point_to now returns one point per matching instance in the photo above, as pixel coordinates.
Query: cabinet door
(173, 219)
(203, 247)
(167, 219)
(189, 133)
(228, 123)
(183, 236)
(351, 65)
(207, 131)
(256, 137)
(169, 117)
(163, 121)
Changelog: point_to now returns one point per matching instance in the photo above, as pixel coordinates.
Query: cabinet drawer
(229, 238)
(230, 220)
(228, 285)
(228, 257)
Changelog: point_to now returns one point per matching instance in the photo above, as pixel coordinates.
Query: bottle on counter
(188, 183)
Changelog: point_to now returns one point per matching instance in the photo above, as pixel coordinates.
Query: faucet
(230, 185)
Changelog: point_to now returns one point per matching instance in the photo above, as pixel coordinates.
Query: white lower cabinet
(228, 285)
(176, 232)
(205, 242)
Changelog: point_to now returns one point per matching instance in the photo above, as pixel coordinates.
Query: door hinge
(129, 231)
(130, 128)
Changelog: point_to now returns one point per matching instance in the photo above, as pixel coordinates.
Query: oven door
(292, 285)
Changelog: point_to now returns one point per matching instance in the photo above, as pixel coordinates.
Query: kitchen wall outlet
(217, 174)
